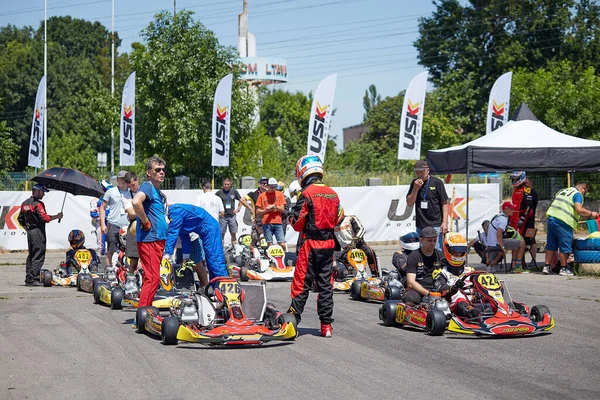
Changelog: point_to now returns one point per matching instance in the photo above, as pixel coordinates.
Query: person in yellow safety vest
(563, 217)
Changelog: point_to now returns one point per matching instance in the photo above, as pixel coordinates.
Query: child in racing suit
(349, 234)
(409, 241)
(76, 240)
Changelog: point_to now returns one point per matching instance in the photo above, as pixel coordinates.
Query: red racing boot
(326, 330)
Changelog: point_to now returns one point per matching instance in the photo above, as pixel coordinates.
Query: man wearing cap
(251, 198)
(420, 265)
(270, 205)
(502, 237)
(428, 194)
(228, 220)
(117, 216)
(33, 218)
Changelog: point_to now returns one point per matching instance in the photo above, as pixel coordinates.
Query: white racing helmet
(294, 188)
(409, 240)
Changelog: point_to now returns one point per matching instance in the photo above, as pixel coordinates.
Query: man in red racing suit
(314, 215)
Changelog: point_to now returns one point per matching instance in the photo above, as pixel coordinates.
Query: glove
(146, 226)
(521, 222)
(459, 284)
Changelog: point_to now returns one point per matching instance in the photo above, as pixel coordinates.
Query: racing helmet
(123, 236)
(76, 239)
(455, 252)
(409, 240)
(294, 188)
(307, 166)
(280, 186)
(105, 185)
(517, 178)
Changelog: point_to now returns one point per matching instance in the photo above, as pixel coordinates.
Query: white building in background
(257, 70)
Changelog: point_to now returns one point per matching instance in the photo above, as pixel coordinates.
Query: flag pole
(213, 177)
(112, 88)
(45, 87)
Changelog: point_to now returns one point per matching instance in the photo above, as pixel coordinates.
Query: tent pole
(568, 179)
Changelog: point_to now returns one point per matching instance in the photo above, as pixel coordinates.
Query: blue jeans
(276, 230)
(438, 229)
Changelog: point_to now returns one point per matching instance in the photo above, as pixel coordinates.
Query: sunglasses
(160, 169)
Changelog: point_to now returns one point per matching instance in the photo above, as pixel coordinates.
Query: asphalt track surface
(56, 344)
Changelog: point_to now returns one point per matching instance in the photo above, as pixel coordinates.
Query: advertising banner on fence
(221, 123)
(411, 119)
(320, 117)
(127, 154)
(499, 103)
(36, 143)
(381, 209)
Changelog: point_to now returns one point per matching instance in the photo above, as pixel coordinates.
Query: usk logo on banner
(221, 122)
(320, 117)
(411, 120)
(127, 152)
(498, 106)
(36, 143)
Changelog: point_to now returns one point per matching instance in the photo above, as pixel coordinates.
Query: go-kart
(500, 315)
(213, 315)
(388, 287)
(120, 289)
(61, 276)
(264, 262)
(497, 314)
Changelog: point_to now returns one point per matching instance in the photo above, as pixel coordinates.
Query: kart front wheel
(116, 298)
(80, 279)
(387, 313)
(140, 319)
(538, 312)
(46, 277)
(168, 332)
(355, 290)
(436, 322)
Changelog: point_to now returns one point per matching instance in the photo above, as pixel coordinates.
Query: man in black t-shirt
(428, 194)
(420, 266)
(229, 195)
(251, 199)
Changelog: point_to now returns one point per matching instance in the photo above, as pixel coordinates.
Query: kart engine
(131, 286)
(443, 306)
(111, 274)
(393, 279)
(189, 311)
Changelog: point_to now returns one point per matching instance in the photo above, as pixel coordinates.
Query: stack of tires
(587, 251)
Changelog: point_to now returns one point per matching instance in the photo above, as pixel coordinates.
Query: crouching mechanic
(76, 240)
(350, 234)
(420, 266)
(315, 215)
(185, 219)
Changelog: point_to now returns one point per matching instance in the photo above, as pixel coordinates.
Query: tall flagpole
(112, 89)
(45, 88)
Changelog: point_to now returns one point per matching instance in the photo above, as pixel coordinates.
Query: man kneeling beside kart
(420, 266)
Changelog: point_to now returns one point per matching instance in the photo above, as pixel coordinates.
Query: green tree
(178, 69)
(370, 100)
(8, 149)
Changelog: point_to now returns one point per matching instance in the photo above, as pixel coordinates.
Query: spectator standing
(288, 205)
(117, 217)
(251, 198)
(563, 217)
(33, 218)
(270, 205)
(210, 202)
(151, 230)
(228, 196)
(428, 194)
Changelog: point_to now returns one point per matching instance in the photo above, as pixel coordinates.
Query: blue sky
(364, 41)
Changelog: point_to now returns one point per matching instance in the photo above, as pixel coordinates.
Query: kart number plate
(400, 314)
(83, 256)
(357, 255)
(246, 240)
(276, 252)
(489, 281)
(230, 288)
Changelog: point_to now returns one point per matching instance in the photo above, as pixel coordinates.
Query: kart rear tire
(140, 319)
(80, 278)
(238, 260)
(291, 319)
(538, 312)
(392, 293)
(244, 274)
(355, 290)
(46, 277)
(387, 313)
(98, 284)
(436, 322)
(168, 332)
(116, 298)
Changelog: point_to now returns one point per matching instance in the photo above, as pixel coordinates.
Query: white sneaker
(546, 270)
(566, 272)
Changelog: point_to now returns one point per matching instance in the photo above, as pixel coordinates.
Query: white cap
(272, 182)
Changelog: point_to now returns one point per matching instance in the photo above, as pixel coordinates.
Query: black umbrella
(70, 181)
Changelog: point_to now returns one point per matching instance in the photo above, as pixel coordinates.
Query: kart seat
(255, 302)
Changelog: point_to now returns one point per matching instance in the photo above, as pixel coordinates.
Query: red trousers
(150, 256)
